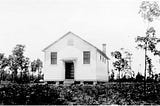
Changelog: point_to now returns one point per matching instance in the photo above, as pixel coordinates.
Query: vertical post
(145, 69)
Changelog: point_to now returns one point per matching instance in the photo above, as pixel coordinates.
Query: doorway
(69, 70)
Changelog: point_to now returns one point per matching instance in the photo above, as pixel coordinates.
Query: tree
(37, 65)
(33, 68)
(121, 63)
(150, 66)
(18, 62)
(149, 11)
(148, 43)
(128, 57)
(24, 70)
(3, 65)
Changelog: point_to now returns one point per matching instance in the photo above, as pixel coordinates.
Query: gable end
(79, 38)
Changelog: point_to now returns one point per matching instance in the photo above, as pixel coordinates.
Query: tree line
(18, 68)
(149, 11)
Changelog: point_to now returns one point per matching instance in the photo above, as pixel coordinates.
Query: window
(53, 57)
(86, 57)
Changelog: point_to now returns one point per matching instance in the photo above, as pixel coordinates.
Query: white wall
(64, 51)
(101, 69)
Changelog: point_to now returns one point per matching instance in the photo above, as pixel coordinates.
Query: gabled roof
(79, 38)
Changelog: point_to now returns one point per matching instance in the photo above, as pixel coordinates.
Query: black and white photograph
(79, 52)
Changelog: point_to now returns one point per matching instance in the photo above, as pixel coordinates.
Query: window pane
(86, 57)
(53, 57)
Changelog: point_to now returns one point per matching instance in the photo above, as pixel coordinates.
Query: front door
(69, 70)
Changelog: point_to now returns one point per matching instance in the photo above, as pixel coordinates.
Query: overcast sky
(38, 23)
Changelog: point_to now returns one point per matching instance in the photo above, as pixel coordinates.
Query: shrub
(110, 93)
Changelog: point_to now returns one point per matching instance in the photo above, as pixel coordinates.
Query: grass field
(110, 93)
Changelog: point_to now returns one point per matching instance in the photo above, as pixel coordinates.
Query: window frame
(53, 57)
(86, 57)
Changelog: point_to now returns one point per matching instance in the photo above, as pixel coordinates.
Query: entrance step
(68, 82)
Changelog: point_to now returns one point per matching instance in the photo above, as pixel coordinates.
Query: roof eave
(103, 54)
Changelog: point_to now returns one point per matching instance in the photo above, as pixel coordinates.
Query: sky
(38, 23)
